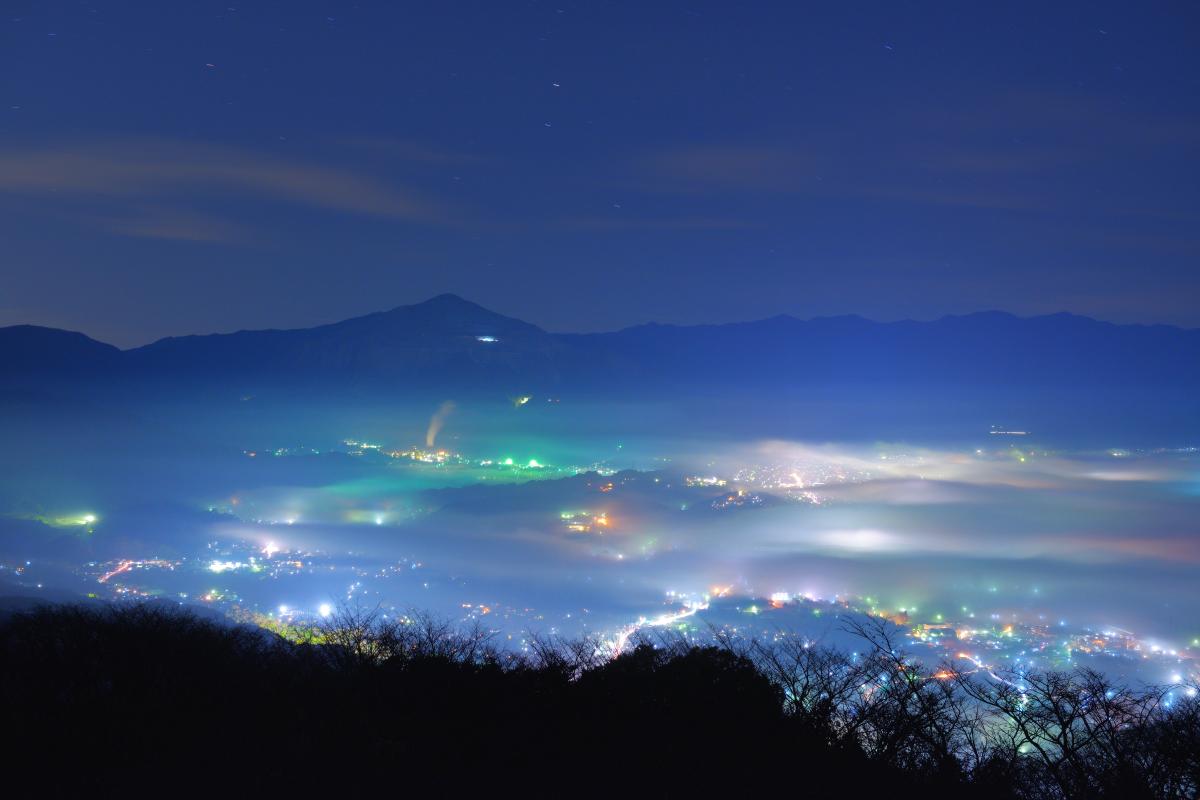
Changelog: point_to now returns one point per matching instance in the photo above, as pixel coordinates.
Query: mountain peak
(447, 299)
(445, 305)
(443, 314)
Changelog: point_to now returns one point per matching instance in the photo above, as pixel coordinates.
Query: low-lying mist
(541, 515)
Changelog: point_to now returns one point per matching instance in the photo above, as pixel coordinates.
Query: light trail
(129, 563)
(618, 645)
(663, 619)
(124, 566)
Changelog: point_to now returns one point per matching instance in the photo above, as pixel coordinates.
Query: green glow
(85, 520)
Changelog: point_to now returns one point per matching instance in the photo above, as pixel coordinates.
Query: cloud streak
(734, 167)
(151, 187)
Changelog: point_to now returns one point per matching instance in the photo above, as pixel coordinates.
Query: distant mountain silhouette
(988, 348)
(448, 343)
(446, 339)
(31, 348)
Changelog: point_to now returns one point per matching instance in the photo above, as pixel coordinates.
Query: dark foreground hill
(141, 700)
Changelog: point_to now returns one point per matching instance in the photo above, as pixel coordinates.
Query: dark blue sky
(177, 167)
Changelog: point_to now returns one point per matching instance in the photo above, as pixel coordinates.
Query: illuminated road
(124, 566)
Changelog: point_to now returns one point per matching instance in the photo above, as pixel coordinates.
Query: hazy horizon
(649, 322)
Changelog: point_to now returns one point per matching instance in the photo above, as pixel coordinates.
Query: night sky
(171, 167)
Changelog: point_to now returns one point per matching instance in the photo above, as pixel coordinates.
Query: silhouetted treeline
(142, 699)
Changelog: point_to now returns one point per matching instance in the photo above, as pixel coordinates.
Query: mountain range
(450, 344)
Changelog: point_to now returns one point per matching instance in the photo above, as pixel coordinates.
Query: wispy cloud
(149, 222)
(1020, 151)
(413, 152)
(658, 224)
(963, 176)
(723, 167)
(153, 185)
